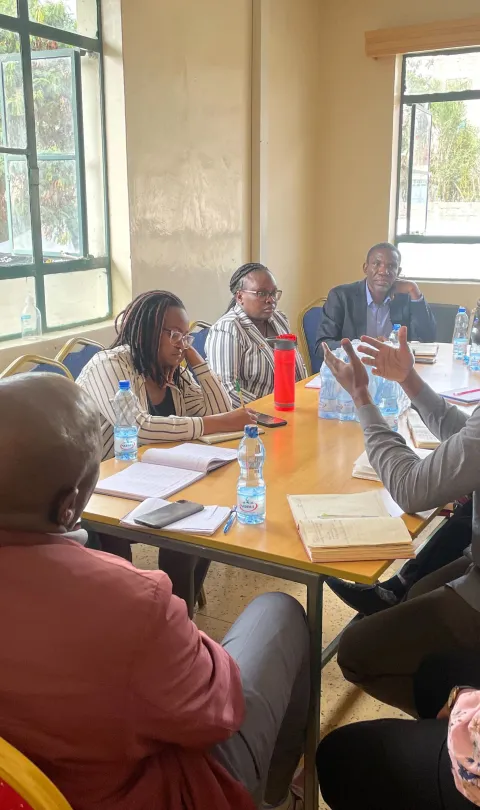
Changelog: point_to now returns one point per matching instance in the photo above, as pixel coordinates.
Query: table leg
(314, 616)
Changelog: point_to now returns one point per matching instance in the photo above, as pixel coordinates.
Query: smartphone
(158, 518)
(265, 420)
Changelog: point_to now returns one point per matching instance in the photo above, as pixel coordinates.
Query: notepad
(420, 434)
(349, 528)
(424, 352)
(218, 438)
(163, 472)
(204, 523)
(468, 395)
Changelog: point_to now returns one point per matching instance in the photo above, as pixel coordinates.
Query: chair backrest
(444, 315)
(309, 321)
(76, 353)
(23, 785)
(37, 363)
(200, 330)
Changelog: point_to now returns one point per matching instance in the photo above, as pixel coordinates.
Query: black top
(165, 408)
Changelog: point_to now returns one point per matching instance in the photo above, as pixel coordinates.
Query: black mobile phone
(158, 518)
(265, 420)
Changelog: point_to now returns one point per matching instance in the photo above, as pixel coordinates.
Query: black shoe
(365, 599)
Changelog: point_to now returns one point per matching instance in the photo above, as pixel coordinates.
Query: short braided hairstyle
(140, 326)
(236, 281)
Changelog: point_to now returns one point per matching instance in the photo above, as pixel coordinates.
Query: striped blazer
(236, 350)
(192, 400)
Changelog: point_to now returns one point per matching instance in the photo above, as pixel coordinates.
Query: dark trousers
(389, 765)
(446, 545)
(382, 652)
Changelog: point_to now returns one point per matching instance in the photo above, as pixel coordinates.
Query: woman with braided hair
(153, 339)
(237, 347)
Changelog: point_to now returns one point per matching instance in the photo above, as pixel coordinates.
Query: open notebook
(347, 528)
(363, 469)
(162, 472)
(421, 435)
(205, 522)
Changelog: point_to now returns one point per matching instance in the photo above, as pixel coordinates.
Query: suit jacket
(345, 316)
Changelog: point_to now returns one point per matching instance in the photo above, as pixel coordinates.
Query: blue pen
(231, 520)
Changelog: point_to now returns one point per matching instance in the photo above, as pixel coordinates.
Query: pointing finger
(402, 337)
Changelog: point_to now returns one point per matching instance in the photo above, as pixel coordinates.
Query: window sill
(49, 345)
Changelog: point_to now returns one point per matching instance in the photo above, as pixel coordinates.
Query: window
(438, 193)
(54, 240)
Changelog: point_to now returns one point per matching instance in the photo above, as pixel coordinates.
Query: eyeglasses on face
(177, 337)
(264, 295)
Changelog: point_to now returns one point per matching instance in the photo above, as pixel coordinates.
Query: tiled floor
(229, 590)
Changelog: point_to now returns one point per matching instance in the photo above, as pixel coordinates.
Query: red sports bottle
(284, 373)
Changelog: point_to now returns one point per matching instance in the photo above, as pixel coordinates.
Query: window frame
(407, 99)
(41, 265)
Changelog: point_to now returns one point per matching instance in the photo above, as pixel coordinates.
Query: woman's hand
(352, 376)
(388, 361)
(192, 357)
(229, 422)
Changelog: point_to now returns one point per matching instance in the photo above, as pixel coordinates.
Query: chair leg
(202, 599)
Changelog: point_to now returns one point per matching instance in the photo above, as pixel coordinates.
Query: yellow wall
(356, 135)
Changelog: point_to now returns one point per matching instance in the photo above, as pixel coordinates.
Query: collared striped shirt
(237, 350)
(192, 400)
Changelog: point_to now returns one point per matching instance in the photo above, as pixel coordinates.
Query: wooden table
(308, 455)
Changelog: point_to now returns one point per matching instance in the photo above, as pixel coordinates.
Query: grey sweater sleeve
(451, 471)
(441, 417)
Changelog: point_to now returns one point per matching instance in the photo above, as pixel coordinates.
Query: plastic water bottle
(345, 406)
(125, 431)
(388, 403)
(327, 398)
(460, 334)
(251, 488)
(393, 338)
(474, 357)
(30, 319)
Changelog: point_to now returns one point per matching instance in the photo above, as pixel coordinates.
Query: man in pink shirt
(105, 682)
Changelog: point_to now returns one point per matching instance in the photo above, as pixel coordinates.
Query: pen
(239, 392)
(231, 520)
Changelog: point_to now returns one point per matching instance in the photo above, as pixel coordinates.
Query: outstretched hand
(388, 361)
(352, 376)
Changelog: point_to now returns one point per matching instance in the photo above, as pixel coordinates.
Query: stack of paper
(218, 438)
(205, 523)
(424, 352)
(363, 469)
(421, 435)
(348, 528)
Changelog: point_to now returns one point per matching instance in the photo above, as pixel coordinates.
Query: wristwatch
(452, 698)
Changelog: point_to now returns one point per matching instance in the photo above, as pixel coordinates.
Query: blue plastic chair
(76, 359)
(38, 363)
(200, 336)
(309, 321)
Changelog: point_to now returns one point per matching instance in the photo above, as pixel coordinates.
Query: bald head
(51, 448)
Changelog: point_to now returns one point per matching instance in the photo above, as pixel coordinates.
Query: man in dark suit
(371, 307)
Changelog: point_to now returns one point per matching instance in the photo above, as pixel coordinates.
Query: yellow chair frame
(28, 781)
(36, 359)
(301, 331)
(200, 325)
(69, 345)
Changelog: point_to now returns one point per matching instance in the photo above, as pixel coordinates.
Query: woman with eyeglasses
(152, 341)
(237, 347)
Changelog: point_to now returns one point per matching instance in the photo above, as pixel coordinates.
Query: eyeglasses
(264, 295)
(177, 337)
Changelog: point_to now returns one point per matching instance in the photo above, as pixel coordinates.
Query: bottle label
(247, 504)
(125, 444)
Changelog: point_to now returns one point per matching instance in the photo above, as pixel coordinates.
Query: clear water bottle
(251, 489)
(345, 406)
(125, 431)
(393, 338)
(460, 334)
(30, 319)
(475, 341)
(474, 362)
(387, 400)
(327, 397)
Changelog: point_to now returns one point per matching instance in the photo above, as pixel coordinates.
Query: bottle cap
(124, 385)
(462, 309)
(251, 431)
(397, 326)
